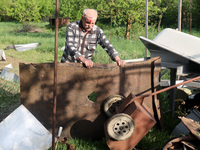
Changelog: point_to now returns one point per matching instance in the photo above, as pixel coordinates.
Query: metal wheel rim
(120, 126)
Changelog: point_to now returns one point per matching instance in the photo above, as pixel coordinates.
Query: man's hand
(88, 63)
(120, 62)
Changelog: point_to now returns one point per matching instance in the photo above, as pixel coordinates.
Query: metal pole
(179, 14)
(55, 77)
(190, 16)
(146, 26)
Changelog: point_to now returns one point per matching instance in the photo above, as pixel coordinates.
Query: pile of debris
(189, 141)
(186, 134)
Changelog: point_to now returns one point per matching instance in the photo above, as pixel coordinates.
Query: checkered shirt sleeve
(74, 40)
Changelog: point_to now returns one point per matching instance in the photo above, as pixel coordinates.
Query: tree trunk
(111, 29)
(159, 23)
(128, 28)
(133, 29)
(160, 20)
(190, 17)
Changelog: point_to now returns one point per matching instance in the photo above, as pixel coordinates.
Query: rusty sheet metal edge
(192, 125)
(75, 83)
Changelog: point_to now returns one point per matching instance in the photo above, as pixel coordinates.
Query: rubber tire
(111, 103)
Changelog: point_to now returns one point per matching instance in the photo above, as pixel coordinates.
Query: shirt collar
(82, 29)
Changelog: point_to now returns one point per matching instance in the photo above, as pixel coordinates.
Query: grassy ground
(12, 33)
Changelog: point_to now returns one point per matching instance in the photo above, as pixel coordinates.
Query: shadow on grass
(9, 98)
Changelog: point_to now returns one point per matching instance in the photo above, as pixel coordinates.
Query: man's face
(87, 23)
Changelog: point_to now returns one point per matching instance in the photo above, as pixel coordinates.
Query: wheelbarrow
(129, 119)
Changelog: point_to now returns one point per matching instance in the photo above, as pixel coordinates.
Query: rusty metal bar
(140, 98)
(173, 86)
(55, 77)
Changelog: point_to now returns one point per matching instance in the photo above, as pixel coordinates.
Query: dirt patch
(29, 28)
(9, 91)
(15, 63)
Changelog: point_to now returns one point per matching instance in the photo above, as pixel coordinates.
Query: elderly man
(82, 38)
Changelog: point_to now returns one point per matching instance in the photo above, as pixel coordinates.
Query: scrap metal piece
(79, 116)
(22, 131)
(25, 47)
(192, 125)
(190, 145)
(181, 128)
(2, 55)
(6, 74)
(177, 141)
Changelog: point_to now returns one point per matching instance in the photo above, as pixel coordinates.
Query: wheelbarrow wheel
(120, 126)
(111, 103)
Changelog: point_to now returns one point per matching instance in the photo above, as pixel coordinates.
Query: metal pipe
(173, 86)
(179, 14)
(146, 26)
(140, 98)
(55, 76)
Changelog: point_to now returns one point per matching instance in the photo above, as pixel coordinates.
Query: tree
(127, 11)
(107, 10)
(4, 5)
(195, 13)
(47, 8)
(29, 10)
(73, 9)
(26, 10)
(160, 7)
(133, 11)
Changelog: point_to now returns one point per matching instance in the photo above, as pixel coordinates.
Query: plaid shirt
(77, 43)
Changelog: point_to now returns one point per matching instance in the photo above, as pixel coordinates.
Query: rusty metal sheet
(79, 116)
(175, 143)
(192, 125)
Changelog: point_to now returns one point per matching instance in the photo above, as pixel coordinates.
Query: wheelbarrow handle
(141, 97)
(173, 86)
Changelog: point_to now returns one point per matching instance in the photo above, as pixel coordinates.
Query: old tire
(120, 126)
(111, 103)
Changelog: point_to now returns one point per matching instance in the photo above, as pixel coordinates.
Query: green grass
(10, 35)
(128, 49)
(9, 97)
(81, 144)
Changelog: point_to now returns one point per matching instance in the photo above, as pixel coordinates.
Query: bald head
(89, 19)
(90, 14)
